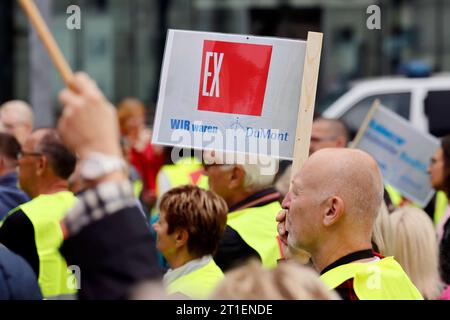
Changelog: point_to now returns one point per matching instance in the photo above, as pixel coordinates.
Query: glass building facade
(121, 42)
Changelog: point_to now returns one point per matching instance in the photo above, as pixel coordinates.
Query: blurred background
(121, 43)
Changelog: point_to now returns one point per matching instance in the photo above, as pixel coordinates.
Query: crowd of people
(92, 210)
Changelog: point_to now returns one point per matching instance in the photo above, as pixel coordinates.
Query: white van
(423, 101)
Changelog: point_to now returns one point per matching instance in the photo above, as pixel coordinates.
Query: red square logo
(233, 77)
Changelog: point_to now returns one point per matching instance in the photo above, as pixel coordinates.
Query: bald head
(16, 119)
(333, 203)
(351, 174)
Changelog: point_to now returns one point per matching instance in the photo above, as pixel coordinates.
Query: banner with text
(233, 93)
(402, 153)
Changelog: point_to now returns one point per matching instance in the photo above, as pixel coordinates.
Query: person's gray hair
(260, 170)
(254, 179)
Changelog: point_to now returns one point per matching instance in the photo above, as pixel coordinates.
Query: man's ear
(341, 142)
(42, 165)
(334, 210)
(237, 177)
(181, 237)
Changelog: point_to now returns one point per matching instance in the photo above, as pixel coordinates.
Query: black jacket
(114, 250)
(444, 253)
(233, 251)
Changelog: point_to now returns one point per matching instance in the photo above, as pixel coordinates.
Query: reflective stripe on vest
(381, 280)
(439, 206)
(45, 213)
(198, 284)
(258, 228)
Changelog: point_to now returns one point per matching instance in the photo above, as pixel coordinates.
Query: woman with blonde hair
(415, 248)
(288, 281)
(382, 236)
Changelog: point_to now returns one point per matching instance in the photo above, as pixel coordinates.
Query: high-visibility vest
(440, 203)
(258, 228)
(198, 284)
(380, 280)
(397, 198)
(138, 185)
(45, 213)
(394, 195)
(185, 171)
(439, 206)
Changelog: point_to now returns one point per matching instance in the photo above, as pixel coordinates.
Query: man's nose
(286, 201)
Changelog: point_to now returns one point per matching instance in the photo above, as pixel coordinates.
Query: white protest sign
(233, 93)
(402, 153)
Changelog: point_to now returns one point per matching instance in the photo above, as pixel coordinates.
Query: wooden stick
(365, 124)
(47, 39)
(307, 100)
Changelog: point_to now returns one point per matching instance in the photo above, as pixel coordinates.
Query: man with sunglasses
(32, 229)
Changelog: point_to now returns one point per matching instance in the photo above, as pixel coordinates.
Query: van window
(397, 102)
(438, 112)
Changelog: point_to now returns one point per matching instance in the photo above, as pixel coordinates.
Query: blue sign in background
(402, 152)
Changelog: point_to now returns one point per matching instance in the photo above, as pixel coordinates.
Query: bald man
(16, 118)
(330, 212)
(328, 133)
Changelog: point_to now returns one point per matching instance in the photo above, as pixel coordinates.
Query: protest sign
(235, 93)
(401, 151)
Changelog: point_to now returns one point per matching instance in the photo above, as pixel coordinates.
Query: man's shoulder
(18, 279)
(8, 190)
(9, 260)
(231, 236)
(62, 196)
(233, 250)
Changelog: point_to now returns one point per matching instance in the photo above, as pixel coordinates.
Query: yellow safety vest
(394, 195)
(439, 206)
(198, 284)
(440, 203)
(45, 213)
(137, 187)
(258, 228)
(381, 280)
(185, 171)
(397, 198)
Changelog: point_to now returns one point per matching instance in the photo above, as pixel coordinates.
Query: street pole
(41, 73)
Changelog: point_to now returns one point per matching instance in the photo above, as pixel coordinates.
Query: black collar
(358, 255)
(257, 199)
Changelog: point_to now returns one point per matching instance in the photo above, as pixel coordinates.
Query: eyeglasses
(31, 154)
(208, 166)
